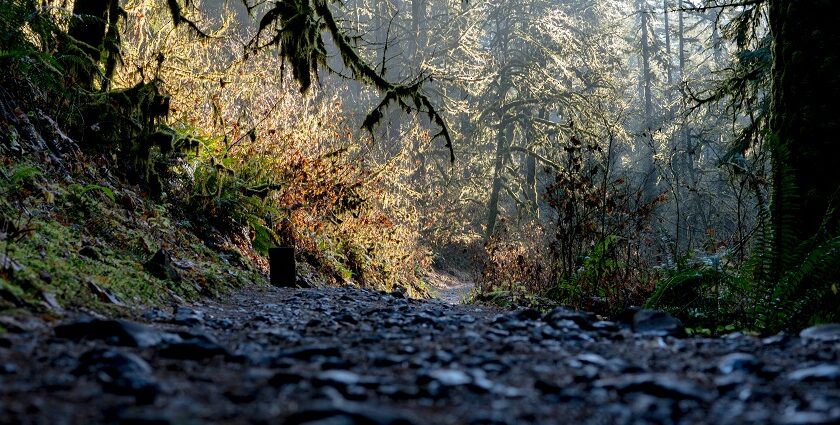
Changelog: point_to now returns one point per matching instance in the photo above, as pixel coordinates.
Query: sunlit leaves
(299, 27)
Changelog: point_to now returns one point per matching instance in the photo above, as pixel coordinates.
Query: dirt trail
(453, 286)
(346, 356)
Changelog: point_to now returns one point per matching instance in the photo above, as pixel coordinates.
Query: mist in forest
(595, 154)
(598, 145)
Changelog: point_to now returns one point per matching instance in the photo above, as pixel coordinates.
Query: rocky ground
(344, 356)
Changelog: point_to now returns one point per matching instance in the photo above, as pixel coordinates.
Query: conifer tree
(804, 124)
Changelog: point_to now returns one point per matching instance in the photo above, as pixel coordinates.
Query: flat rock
(614, 364)
(659, 323)
(188, 317)
(559, 317)
(449, 377)
(828, 332)
(823, 372)
(193, 349)
(738, 362)
(658, 385)
(307, 353)
(112, 361)
(341, 377)
(347, 413)
(117, 332)
(120, 372)
(156, 315)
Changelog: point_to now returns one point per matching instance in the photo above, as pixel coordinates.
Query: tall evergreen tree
(804, 124)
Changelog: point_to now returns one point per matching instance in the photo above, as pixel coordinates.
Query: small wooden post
(282, 266)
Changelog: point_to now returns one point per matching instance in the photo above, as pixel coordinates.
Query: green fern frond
(803, 292)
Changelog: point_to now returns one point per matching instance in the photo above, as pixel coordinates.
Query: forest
(533, 211)
(593, 154)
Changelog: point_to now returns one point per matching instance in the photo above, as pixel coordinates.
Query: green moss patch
(79, 245)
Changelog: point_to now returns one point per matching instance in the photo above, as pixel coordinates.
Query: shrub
(278, 167)
(705, 293)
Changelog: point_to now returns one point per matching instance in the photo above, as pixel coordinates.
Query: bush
(705, 294)
(284, 169)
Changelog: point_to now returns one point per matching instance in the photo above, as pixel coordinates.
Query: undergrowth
(82, 245)
(174, 141)
(594, 253)
(280, 167)
(213, 166)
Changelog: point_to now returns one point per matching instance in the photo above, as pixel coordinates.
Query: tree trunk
(717, 46)
(503, 138)
(682, 41)
(504, 131)
(805, 124)
(531, 184)
(647, 166)
(417, 41)
(646, 71)
(667, 43)
(88, 27)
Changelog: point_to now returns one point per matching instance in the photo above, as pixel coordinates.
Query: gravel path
(343, 356)
(452, 286)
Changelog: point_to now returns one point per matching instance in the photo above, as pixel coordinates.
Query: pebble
(823, 333)
(8, 368)
(738, 362)
(664, 386)
(450, 377)
(823, 372)
(120, 372)
(342, 377)
(657, 323)
(347, 413)
(118, 332)
(193, 349)
(188, 317)
(344, 356)
(560, 318)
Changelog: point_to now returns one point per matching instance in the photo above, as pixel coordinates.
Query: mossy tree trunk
(805, 124)
(92, 26)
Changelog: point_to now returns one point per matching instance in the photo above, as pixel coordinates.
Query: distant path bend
(453, 286)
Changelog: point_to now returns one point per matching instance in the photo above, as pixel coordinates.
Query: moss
(50, 256)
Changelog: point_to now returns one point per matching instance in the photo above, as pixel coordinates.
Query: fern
(23, 174)
(263, 237)
(705, 294)
(28, 36)
(105, 191)
(806, 292)
(795, 281)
